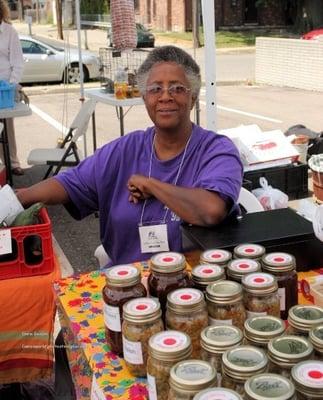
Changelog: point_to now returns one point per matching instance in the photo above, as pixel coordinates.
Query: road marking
(57, 125)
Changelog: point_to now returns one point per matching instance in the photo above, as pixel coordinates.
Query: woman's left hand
(138, 188)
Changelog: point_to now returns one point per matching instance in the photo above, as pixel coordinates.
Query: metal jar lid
(217, 394)
(249, 250)
(122, 275)
(278, 262)
(288, 350)
(204, 274)
(304, 318)
(141, 310)
(215, 256)
(191, 376)
(185, 300)
(243, 362)
(167, 262)
(259, 283)
(240, 267)
(316, 338)
(307, 377)
(218, 339)
(269, 386)
(170, 346)
(263, 328)
(224, 292)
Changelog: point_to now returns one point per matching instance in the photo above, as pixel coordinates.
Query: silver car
(45, 62)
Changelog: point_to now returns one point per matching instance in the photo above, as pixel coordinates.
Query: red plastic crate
(21, 262)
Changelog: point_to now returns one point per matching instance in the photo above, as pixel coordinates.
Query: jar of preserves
(187, 312)
(316, 338)
(301, 319)
(217, 393)
(240, 267)
(249, 250)
(216, 256)
(269, 386)
(261, 295)
(225, 304)
(286, 351)
(283, 267)
(215, 340)
(141, 320)
(164, 350)
(168, 272)
(189, 377)
(123, 283)
(259, 330)
(203, 275)
(307, 377)
(241, 363)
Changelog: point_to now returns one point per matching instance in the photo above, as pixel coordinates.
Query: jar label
(278, 258)
(251, 314)
(132, 351)
(112, 317)
(168, 258)
(170, 340)
(218, 322)
(310, 373)
(215, 256)
(152, 387)
(258, 279)
(141, 306)
(121, 272)
(250, 250)
(186, 296)
(207, 271)
(244, 265)
(282, 298)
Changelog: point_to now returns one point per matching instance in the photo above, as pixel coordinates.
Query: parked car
(315, 34)
(45, 62)
(144, 37)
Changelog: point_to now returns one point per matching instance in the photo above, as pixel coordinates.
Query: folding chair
(67, 154)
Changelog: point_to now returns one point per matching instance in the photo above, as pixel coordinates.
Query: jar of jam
(164, 350)
(217, 393)
(283, 267)
(258, 331)
(261, 294)
(316, 338)
(203, 275)
(286, 351)
(189, 377)
(269, 386)
(122, 284)
(225, 304)
(168, 272)
(307, 377)
(301, 319)
(215, 340)
(240, 267)
(141, 320)
(249, 250)
(216, 256)
(187, 312)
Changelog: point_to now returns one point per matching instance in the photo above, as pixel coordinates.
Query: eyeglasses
(173, 90)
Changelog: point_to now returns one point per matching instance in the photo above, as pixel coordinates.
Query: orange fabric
(26, 327)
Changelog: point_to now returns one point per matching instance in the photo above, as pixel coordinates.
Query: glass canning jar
(316, 338)
(286, 351)
(249, 250)
(189, 377)
(259, 330)
(141, 319)
(217, 393)
(301, 319)
(216, 256)
(241, 363)
(307, 377)
(261, 294)
(164, 350)
(240, 267)
(203, 274)
(186, 312)
(283, 267)
(225, 304)
(123, 283)
(269, 386)
(215, 340)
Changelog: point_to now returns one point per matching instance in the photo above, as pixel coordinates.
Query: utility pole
(59, 19)
(196, 23)
(37, 11)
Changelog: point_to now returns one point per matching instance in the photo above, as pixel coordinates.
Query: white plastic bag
(269, 197)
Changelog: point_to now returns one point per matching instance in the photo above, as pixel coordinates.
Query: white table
(19, 110)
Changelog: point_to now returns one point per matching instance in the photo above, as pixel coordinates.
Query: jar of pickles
(283, 267)
(249, 250)
(203, 275)
(122, 284)
(189, 377)
(240, 267)
(258, 331)
(187, 312)
(217, 393)
(316, 338)
(307, 377)
(261, 295)
(141, 320)
(164, 350)
(225, 304)
(286, 351)
(216, 256)
(215, 340)
(241, 363)
(269, 386)
(301, 319)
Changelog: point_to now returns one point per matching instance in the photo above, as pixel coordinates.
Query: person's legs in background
(15, 164)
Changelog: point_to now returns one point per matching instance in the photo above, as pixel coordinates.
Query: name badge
(153, 238)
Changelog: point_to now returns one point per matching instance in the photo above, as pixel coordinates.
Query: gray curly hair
(170, 54)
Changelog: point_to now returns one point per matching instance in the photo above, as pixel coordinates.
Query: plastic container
(7, 94)
(22, 262)
(316, 165)
(317, 292)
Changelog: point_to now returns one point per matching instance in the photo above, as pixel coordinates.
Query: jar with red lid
(123, 283)
(240, 267)
(249, 250)
(204, 274)
(216, 256)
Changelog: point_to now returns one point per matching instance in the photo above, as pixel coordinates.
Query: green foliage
(94, 6)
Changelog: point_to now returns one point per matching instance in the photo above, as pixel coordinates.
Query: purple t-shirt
(99, 183)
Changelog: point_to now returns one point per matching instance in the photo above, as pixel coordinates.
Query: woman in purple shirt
(146, 183)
